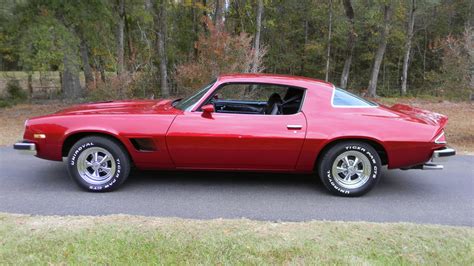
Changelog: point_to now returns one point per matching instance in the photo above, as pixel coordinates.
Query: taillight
(441, 138)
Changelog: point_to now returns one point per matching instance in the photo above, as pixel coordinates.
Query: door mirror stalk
(207, 110)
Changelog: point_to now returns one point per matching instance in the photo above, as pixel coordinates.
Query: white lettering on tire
(78, 150)
(369, 156)
(97, 187)
(113, 180)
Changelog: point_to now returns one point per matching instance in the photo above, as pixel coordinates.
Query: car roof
(273, 78)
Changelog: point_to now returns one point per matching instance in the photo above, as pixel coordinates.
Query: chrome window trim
(222, 85)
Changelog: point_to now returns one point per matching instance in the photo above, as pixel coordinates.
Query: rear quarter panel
(406, 142)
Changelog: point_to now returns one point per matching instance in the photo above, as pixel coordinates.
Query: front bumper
(25, 147)
(438, 156)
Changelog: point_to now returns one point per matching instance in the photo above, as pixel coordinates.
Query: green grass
(138, 240)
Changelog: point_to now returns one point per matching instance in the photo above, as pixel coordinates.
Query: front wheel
(350, 169)
(98, 164)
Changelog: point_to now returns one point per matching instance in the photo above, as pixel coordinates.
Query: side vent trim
(144, 144)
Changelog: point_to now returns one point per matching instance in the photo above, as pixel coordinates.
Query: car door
(236, 141)
(233, 139)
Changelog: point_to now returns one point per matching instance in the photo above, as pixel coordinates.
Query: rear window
(344, 98)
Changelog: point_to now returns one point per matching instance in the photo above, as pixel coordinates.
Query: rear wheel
(350, 169)
(98, 164)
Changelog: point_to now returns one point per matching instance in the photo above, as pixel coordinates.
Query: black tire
(118, 165)
(369, 164)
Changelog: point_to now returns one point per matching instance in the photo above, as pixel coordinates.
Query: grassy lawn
(122, 239)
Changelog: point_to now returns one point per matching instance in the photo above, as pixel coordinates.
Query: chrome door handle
(294, 126)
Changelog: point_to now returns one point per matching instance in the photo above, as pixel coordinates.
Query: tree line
(163, 48)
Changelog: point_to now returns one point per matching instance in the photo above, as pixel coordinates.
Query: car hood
(122, 107)
(414, 114)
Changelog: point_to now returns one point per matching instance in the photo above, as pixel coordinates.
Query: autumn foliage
(218, 52)
(455, 78)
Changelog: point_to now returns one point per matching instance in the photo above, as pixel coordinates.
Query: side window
(249, 92)
(255, 98)
(343, 98)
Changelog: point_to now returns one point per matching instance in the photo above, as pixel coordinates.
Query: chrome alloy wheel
(96, 165)
(351, 169)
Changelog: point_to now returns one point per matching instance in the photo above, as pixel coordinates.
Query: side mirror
(208, 109)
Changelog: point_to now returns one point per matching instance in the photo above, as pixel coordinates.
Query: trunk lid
(420, 115)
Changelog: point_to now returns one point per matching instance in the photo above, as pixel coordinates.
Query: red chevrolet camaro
(242, 122)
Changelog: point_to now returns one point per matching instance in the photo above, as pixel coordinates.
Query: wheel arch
(72, 138)
(377, 145)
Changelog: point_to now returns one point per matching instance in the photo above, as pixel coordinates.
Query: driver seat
(274, 104)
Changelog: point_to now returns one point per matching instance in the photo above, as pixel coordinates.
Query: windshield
(188, 103)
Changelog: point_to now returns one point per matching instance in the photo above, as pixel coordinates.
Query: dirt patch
(460, 128)
(12, 119)
(459, 131)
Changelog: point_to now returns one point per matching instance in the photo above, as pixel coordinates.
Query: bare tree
(406, 58)
(257, 37)
(329, 41)
(70, 84)
(219, 15)
(195, 27)
(387, 14)
(160, 25)
(120, 36)
(469, 48)
(351, 41)
(88, 76)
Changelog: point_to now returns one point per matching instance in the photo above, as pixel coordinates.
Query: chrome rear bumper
(26, 147)
(438, 156)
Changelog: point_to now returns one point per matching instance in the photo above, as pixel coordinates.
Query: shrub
(218, 52)
(15, 92)
(454, 79)
(5, 103)
(143, 85)
(115, 88)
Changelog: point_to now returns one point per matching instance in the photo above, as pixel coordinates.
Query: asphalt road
(33, 186)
